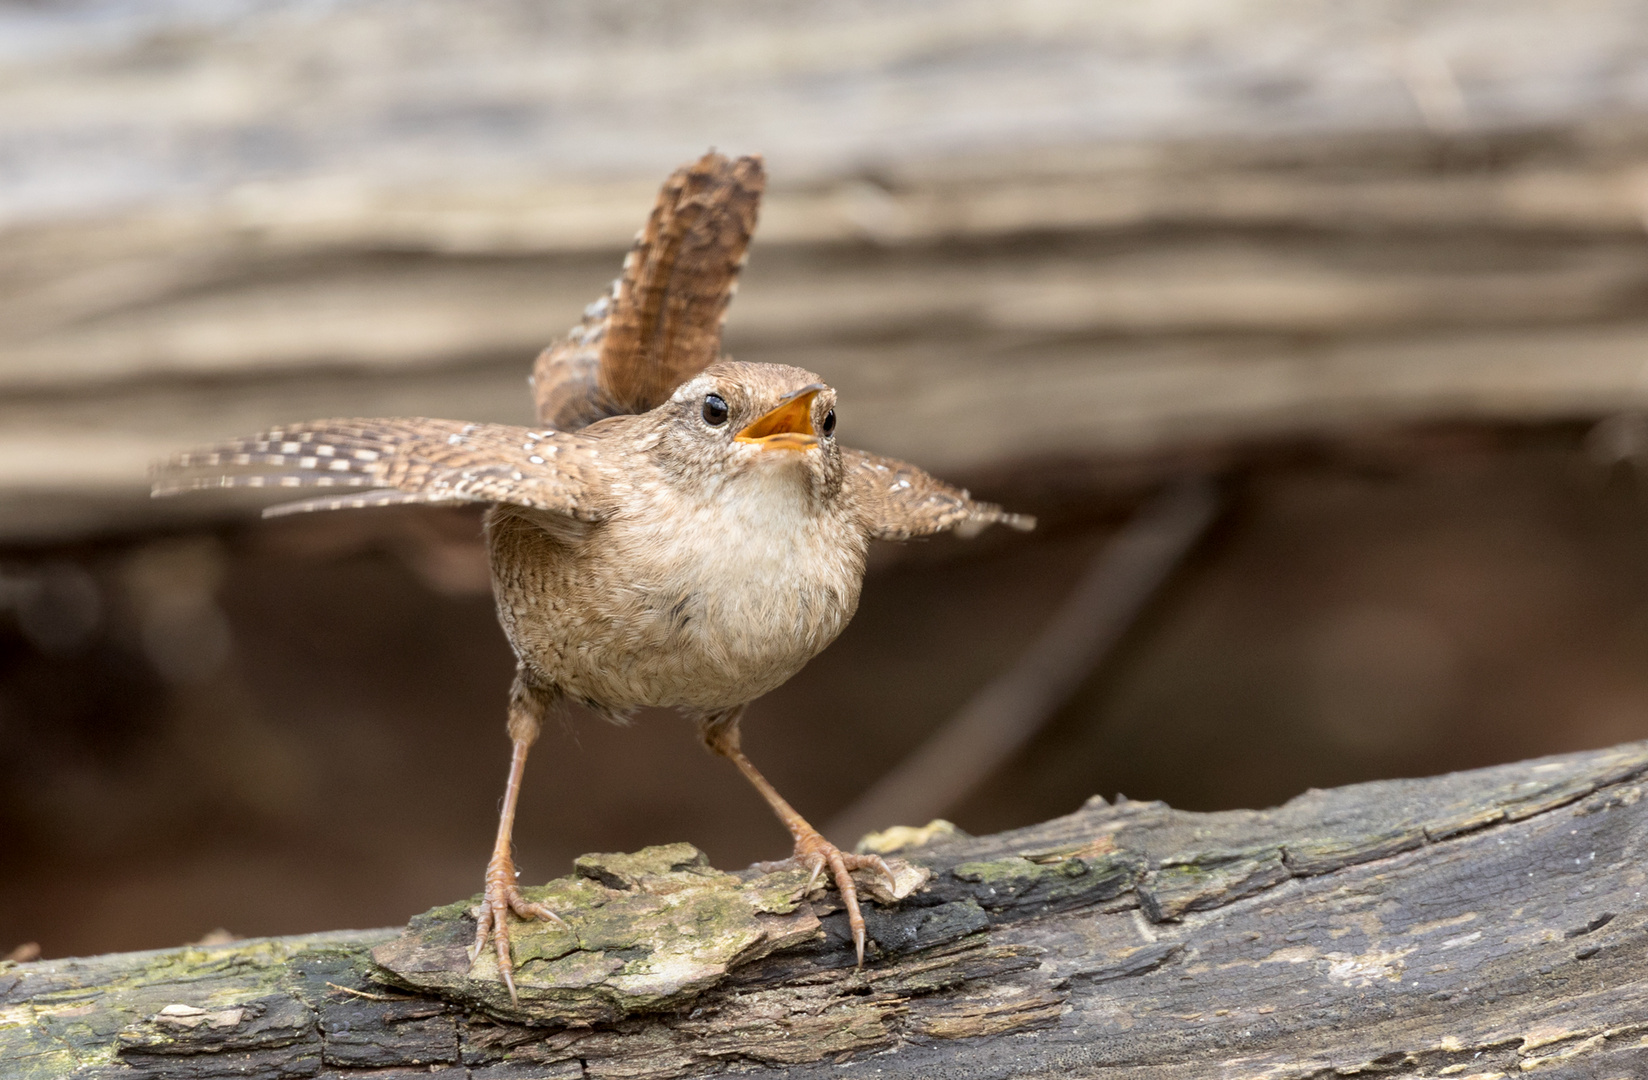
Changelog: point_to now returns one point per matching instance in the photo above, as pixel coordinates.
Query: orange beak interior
(788, 427)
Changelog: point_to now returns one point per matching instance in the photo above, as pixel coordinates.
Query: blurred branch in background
(1002, 717)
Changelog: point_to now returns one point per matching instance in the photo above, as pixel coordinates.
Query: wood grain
(1489, 920)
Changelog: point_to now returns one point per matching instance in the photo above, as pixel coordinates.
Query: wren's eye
(829, 424)
(715, 410)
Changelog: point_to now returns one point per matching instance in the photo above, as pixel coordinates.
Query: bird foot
(501, 897)
(813, 853)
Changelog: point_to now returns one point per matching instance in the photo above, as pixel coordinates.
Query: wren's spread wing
(661, 323)
(401, 461)
(898, 501)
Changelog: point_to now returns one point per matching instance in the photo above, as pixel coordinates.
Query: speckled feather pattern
(644, 560)
(409, 460)
(640, 555)
(678, 531)
(719, 572)
(897, 501)
(660, 322)
(673, 601)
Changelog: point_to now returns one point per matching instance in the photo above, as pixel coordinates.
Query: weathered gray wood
(1479, 924)
(1005, 234)
(291, 110)
(963, 361)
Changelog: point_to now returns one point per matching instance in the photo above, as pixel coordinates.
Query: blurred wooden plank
(364, 309)
(1062, 230)
(117, 103)
(959, 406)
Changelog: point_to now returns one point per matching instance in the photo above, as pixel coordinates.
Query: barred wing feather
(898, 501)
(410, 460)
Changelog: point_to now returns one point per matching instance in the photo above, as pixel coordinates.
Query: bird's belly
(700, 651)
(694, 619)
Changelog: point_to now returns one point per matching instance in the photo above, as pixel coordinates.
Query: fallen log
(1478, 924)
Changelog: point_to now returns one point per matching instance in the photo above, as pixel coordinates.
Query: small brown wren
(682, 530)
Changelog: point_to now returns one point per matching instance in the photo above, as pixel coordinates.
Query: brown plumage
(683, 531)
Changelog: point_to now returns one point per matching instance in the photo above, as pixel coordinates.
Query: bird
(679, 529)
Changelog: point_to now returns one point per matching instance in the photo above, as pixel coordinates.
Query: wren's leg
(720, 734)
(527, 705)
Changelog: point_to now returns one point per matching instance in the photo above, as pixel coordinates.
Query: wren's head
(737, 423)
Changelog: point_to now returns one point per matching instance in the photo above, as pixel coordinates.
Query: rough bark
(1477, 924)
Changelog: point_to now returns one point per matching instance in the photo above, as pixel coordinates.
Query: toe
(526, 909)
(849, 897)
(815, 868)
(815, 853)
(483, 930)
(879, 865)
(501, 898)
(506, 963)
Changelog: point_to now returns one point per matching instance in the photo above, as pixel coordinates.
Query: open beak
(788, 427)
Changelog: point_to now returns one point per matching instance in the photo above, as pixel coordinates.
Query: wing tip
(983, 515)
(165, 487)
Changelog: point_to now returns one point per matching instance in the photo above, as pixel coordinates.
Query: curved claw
(815, 867)
(815, 853)
(501, 897)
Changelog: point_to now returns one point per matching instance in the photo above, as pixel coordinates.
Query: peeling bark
(1479, 924)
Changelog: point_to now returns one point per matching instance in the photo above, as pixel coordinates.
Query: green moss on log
(641, 933)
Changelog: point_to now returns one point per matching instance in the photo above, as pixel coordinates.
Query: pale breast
(701, 607)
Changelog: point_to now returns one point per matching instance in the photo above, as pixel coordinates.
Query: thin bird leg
(812, 851)
(502, 894)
